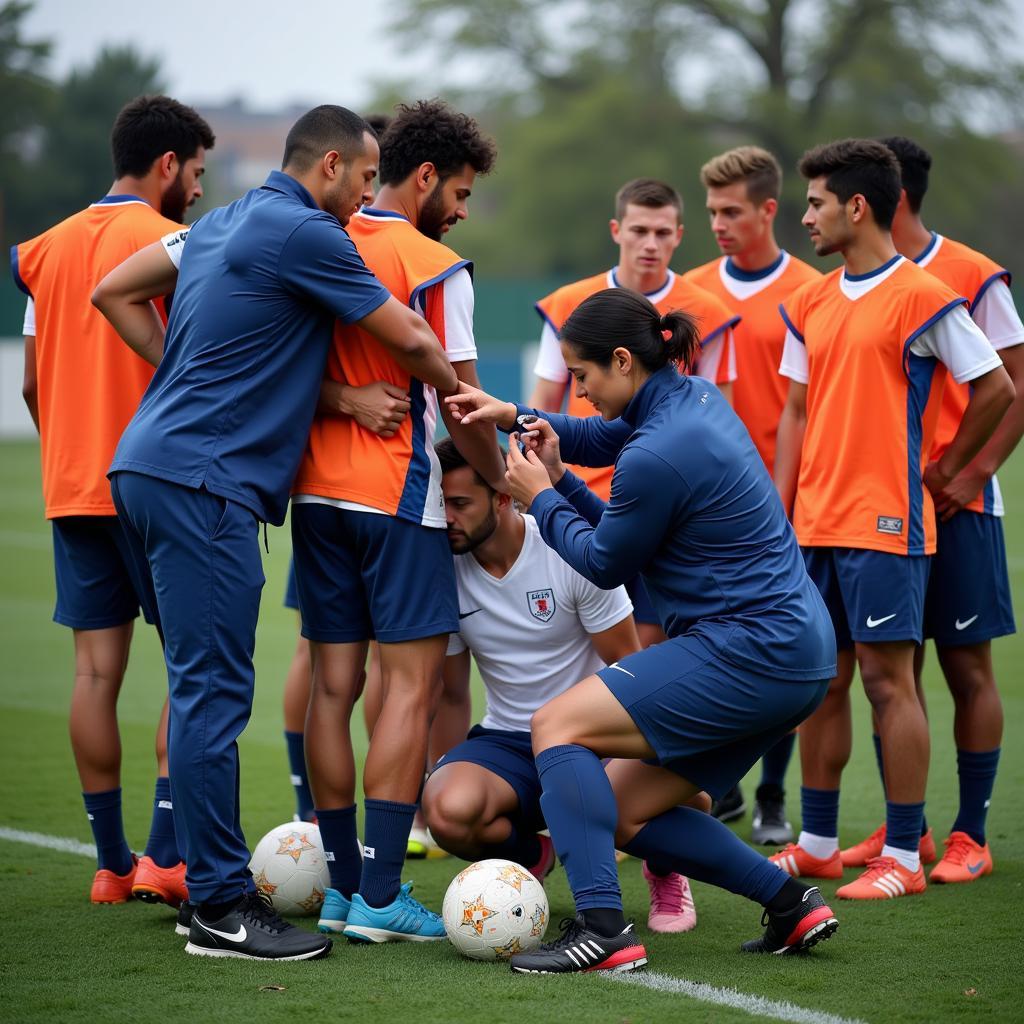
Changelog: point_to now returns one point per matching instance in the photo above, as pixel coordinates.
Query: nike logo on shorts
(238, 936)
(963, 625)
(871, 623)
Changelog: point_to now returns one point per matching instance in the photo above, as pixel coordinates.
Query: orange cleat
(963, 861)
(154, 884)
(885, 879)
(857, 856)
(110, 888)
(796, 861)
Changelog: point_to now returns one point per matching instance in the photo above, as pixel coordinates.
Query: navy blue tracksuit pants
(202, 554)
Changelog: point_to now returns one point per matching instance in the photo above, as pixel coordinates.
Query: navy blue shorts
(510, 756)
(98, 583)
(291, 589)
(363, 576)
(643, 610)
(968, 600)
(872, 596)
(707, 719)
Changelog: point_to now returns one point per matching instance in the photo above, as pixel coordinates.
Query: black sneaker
(580, 949)
(811, 921)
(253, 930)
(184, 922)
(731, 806)
(770, 827)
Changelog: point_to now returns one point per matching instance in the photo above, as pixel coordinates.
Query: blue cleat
(334, 912)
(404, 920)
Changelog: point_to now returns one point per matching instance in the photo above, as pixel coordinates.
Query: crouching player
(535, 626)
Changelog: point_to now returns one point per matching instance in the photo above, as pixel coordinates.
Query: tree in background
(583, 95)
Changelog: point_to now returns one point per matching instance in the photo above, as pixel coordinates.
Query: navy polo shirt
(229, 408)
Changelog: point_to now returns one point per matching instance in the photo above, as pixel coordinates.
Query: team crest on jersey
(542, 603)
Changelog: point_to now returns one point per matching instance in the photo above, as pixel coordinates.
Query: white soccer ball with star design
(289, 865)
(495, 908)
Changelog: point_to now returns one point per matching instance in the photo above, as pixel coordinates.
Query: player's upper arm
(997, 316)
(616, 642)
(147, 274)
(548, 395)
(448, 308)
(456, 669)
(796, 400)
(794, 359)
(958, 342)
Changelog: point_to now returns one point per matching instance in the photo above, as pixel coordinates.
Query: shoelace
(571, 928)
(667, 894)
(878, 866)
(958, 849)
(413, 904)
(260, 907)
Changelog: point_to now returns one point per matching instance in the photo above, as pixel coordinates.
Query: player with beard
(368, 528)
(82, 386)
(535, 626)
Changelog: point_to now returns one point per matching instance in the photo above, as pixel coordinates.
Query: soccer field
(947, 955)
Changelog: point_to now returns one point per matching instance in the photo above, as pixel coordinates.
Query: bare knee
(549, 729)
(454, 815)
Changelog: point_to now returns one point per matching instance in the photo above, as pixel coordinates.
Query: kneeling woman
(750, 649)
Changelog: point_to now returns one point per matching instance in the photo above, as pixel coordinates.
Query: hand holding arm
(379, 407)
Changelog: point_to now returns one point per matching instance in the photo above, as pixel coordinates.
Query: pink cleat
(672, 908)
(548, 859)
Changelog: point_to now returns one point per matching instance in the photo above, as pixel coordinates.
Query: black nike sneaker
(811, 921)
(731, 806)
(184, 922)
(769, 826)
(581, 949)
(253, 930)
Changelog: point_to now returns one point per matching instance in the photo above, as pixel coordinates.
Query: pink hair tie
(666, 335)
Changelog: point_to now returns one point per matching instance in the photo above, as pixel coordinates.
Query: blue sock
(162, 844)
(579, 807)
(338, 832)
(776, 760)
(297, 766)
(388, 824)
(104, 810)
(819, 811)
(880, 761)
(977, 772)
(699, 846)
(903, 825)
(521, 846)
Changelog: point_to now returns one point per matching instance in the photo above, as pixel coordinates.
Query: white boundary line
(16, 835)
(757, 1006)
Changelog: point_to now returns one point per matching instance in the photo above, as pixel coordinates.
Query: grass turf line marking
(59, 843)
(757, 1006)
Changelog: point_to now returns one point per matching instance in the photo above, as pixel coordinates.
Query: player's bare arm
(970, 481)
(125, 297)
(452, 718)
(412, 344)
(476, 441)
(992, 394)
(616, 641)
(30, 381)
(790, 443)
(380, 407)
(548, 395)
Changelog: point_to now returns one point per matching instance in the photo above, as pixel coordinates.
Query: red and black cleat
(811, 921)
(580, 949)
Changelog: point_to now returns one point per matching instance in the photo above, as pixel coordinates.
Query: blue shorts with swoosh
(872, 596)
(968, 600)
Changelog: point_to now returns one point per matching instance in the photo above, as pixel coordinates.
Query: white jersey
(530, 630)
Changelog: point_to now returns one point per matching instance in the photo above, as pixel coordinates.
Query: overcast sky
(266, 52)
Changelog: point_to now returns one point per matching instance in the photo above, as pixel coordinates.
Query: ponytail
(620, 318)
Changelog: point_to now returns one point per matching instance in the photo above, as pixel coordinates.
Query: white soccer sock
(821, 847)
(910, 859)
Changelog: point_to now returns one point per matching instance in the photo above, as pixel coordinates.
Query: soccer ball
(495, 908)
(290, 867)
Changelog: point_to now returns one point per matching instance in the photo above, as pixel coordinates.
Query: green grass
(952, 954)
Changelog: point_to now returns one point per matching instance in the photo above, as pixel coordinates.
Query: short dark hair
(915, 163)
(451, 459)
(852, 166)
(378, 122)
(320, 130)
(647, 192)
(621, 318)
(149, 126)
(430, 131)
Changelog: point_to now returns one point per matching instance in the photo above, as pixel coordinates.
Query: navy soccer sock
(699, 846)
(819, 811)
(880, 761)
(579, 807)
(977, 772)
(338, 832)
(296, 744)
(903, 825)
(104, 811)
(388, 824)
(162, 845)
(776, 760)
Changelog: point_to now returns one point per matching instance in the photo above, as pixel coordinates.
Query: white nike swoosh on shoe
(238, 936)
(871, 623)
(963, 625)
